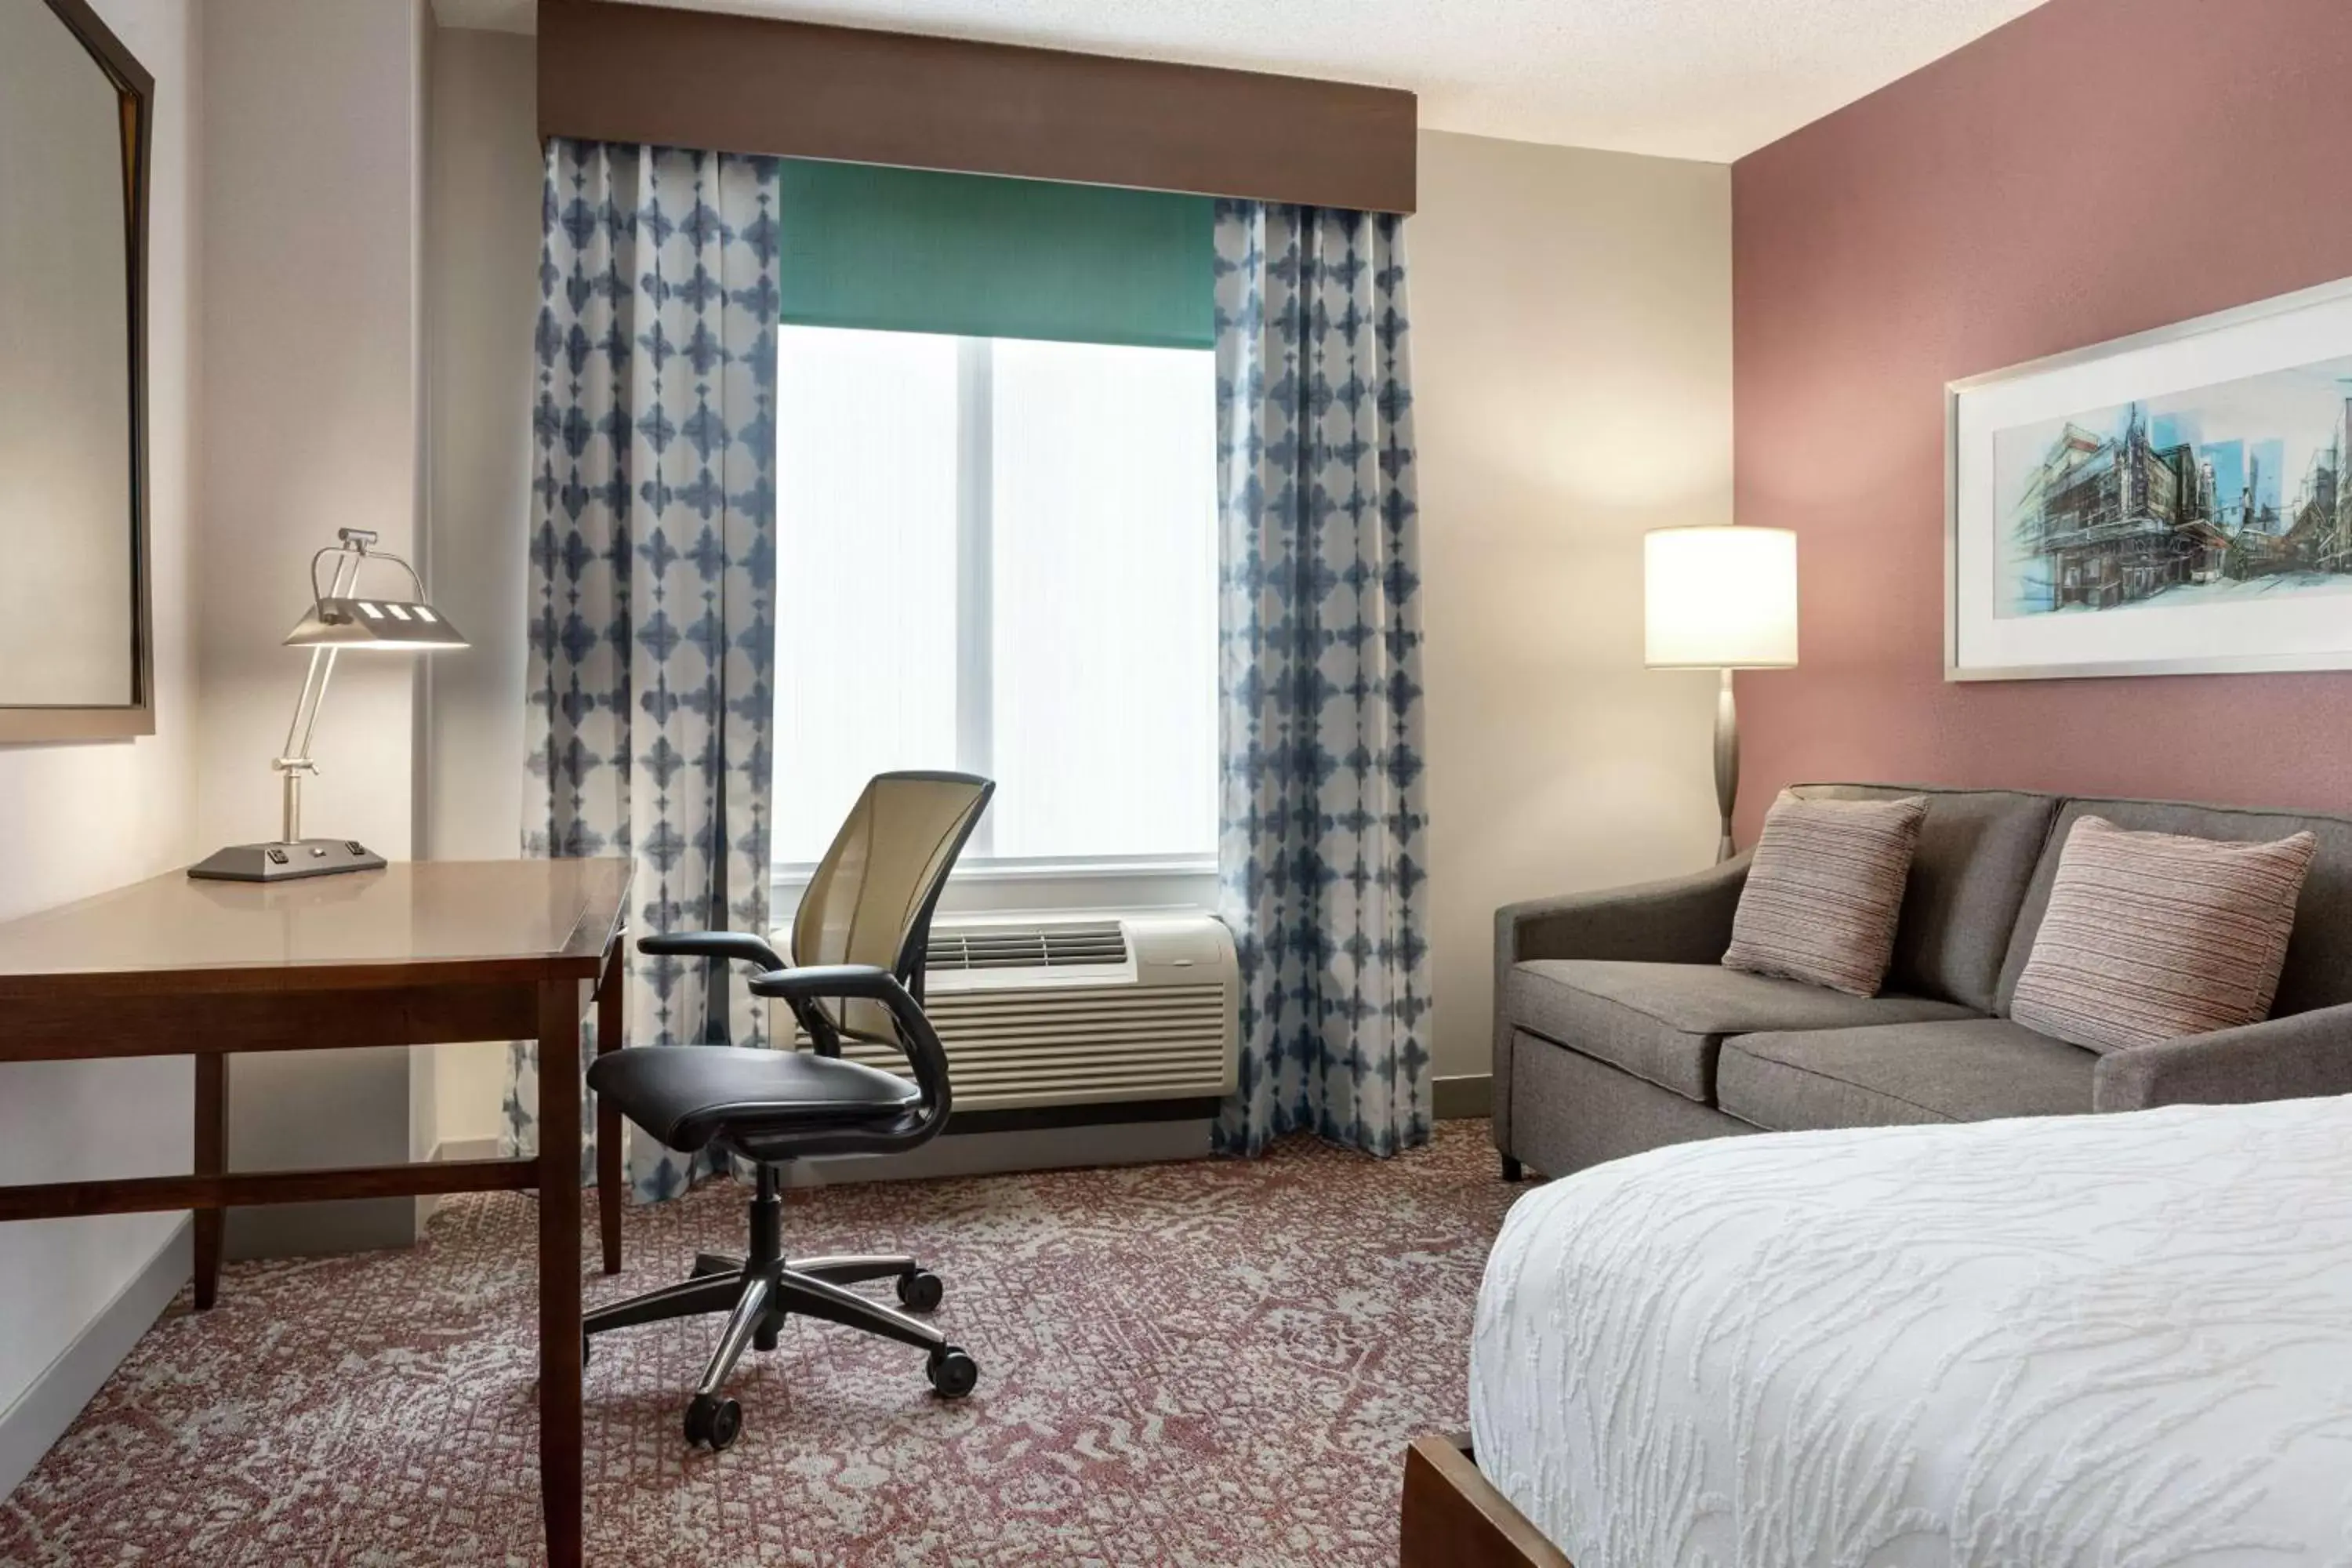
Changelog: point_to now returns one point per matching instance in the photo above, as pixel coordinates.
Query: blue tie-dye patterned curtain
(652, 567)
(1323, 827)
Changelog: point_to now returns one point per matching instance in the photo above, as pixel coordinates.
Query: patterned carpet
(1216, 1364)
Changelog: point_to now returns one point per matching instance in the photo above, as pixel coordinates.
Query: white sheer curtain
(865, 477)
(1105, 589)
(998, 555)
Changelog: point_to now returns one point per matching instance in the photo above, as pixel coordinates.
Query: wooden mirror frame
(136, 90)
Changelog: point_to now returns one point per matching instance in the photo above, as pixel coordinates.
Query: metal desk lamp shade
(339, 619)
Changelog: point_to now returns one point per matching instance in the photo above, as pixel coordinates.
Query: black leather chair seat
(685, 1094)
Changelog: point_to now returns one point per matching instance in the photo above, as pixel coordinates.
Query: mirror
(73, 129)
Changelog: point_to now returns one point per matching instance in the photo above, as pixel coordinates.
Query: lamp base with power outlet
(287, 862)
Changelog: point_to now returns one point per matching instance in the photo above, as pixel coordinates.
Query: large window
(999, 555)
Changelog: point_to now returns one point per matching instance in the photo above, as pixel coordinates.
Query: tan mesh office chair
(856, 972)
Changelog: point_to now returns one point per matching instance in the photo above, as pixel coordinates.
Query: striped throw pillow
(2151, 936)
(1825, 891)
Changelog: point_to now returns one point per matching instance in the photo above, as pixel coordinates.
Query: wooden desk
(414, 954)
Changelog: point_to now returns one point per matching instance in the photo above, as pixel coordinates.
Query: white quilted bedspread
(2120, 1341)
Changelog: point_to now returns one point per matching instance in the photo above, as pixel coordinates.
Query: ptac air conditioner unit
(1041, 1010)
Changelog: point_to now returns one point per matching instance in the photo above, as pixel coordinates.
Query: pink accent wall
(2095, 168)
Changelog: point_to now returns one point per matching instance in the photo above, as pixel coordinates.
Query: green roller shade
(911, 250)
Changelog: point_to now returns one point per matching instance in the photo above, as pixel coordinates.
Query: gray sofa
(1617, 1029)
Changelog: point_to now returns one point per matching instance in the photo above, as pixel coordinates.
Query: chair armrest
(2298, 1056)
(1686, 920)
(870, 982)
(738, 947)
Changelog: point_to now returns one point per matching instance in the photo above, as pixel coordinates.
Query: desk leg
(212, 1160)
(612, 1023)
(558, 1269)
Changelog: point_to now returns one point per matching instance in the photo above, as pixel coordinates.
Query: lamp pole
(294, 762)
(1727, 762)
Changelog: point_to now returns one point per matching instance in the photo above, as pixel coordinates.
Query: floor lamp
(1720, 599)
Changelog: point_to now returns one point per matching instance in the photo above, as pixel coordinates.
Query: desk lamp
(337, 620)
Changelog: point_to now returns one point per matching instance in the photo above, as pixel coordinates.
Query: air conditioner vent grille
(1067, 944)
(1068, 1046)
(1055, 1007)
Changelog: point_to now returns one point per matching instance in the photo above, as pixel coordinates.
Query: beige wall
(482, 293)
(311, 390)
(1571, 335)
(313, 397)
(79, 819)
(482, 265)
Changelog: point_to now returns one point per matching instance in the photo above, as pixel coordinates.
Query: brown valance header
(609, 72)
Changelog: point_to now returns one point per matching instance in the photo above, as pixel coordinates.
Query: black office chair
(856, 973)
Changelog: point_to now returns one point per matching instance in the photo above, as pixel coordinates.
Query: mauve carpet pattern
(1217, 1364)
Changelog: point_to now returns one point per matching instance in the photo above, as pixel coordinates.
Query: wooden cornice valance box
(611, 72)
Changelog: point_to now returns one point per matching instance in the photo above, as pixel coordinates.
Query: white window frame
(984, 882)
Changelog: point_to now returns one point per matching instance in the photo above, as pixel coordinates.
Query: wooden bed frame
(1453, 1518)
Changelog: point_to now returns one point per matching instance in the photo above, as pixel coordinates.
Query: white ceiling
(1685, 79)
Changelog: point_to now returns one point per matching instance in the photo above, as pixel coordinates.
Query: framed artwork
(2171, 503)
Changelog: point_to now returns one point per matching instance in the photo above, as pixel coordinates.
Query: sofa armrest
(1684, 921)
(2298, 1056)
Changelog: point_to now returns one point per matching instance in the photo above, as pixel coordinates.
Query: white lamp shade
(1719, 598)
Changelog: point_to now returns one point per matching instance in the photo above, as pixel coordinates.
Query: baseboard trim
(1464, 1097)
(467, 1148)
(32, 1425)
(455, 1148)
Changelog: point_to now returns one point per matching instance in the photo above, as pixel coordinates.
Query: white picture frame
(2174, 502)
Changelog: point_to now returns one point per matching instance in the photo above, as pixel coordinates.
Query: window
(998, 555)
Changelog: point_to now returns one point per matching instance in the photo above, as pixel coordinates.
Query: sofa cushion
(1578, 1111)
(1977, 853)
(1663, 1022)
(2317, 972)
(1823, 889)
(1972, 1070)
(2154, 936)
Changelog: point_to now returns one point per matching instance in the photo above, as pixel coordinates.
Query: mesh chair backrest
(870, 900)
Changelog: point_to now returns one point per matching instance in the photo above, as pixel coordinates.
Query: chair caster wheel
(921, 1291)
(953, 1374)
(713, 1421)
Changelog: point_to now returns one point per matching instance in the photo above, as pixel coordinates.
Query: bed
(2111, 1340)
